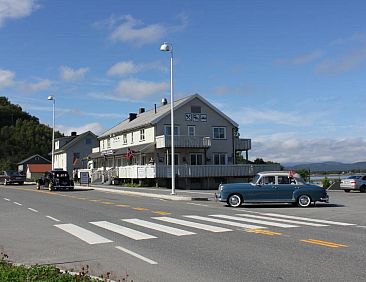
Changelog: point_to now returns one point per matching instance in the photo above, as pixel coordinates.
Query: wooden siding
(241, 144)
(183, 141)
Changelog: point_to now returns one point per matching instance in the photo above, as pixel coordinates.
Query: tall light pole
(52, 98)
(168, 47)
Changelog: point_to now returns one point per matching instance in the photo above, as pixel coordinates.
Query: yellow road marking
(161, 212)
(263, 232)
(140, 209)
(124, 206)
(108, 203)
(324, 243)
(82, 198)
(94, 200)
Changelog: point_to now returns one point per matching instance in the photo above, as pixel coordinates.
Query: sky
(291, 73)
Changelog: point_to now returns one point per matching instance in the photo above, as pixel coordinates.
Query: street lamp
(168, 47)
(52, 98)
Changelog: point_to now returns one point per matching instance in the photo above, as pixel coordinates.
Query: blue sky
(290, 73)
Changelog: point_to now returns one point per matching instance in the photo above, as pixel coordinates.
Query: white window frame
(218, 128)
(124, 139)
(131, 137)
(219, 158)
(142, 134)
(108, 143)
(189, 128)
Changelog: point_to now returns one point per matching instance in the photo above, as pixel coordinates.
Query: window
(167, 130)
(219, 133)
(195, 109)
(283, 180)
(131, 137)
(108, 143)
(88, 141)
(191, 130)
(142, 134)
(124, 139)
(219, 158)
(268, 180)
(169, 160)
(196, 159)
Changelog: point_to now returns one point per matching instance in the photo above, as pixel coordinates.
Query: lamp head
(50, 98)
(165, 47)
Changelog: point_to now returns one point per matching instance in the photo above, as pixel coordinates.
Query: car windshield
(11, 173)
(354, 177)
(255, 179)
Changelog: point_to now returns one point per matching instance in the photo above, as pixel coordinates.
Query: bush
(326, 182)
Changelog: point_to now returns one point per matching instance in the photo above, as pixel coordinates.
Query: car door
(286, 187)
(264, 190)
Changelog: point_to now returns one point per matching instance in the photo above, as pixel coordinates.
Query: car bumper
(324, 199)
(59, 187)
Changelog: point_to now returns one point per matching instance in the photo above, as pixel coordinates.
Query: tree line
(21, 135)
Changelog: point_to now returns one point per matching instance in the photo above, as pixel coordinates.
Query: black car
(56, 180)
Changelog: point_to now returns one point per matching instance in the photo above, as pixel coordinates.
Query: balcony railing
(163, 171)
(242, 144)
(183, 141)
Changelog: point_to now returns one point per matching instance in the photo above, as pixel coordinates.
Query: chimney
(73, 133)
(155, 108)
(132, 116)
(164, 102)
(141, 110)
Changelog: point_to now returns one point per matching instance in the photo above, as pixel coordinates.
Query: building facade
(35, 159)
(71, 152)
(206, 142)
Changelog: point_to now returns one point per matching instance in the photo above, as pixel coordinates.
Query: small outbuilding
(35, 159)
(36, 171)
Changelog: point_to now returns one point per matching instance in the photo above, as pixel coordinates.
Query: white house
(205, 140)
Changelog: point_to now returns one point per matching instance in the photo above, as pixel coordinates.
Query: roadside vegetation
(46, 273)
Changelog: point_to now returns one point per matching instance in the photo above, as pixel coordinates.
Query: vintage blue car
(272, 187)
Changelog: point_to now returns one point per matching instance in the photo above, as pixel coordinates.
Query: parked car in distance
(11, 177)
(272, 187)
(56, 180)
(354, 182)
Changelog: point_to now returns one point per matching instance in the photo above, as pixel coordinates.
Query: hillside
(21, 135)
(330, 166)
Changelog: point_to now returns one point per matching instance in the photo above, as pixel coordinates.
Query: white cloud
(129, 67)
(356, 37)
(128, 29)
(14, 9)
(133, 89)
(349, 61)
(42, 84)
(69, 74)
(286, 148)
(302, 59)
(6, 78)
(94, 127)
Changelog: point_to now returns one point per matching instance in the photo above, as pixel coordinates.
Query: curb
(150, 195)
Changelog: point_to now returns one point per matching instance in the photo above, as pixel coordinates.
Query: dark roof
(31, 157)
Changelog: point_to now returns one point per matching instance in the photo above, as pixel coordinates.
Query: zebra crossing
(215, 223)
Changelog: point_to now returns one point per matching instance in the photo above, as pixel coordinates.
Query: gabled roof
(39, 167)
(74, 141)
(151, 117)
(31, 157)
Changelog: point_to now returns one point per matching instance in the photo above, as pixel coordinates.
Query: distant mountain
(328, 166)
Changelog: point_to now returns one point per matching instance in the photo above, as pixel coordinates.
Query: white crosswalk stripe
(264, 222)
(226, 222)
(282, 220)
(310, 219)
(83, 234)
(159, 227)
(192, 224)
(125, 231)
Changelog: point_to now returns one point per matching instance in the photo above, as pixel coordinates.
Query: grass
(10, 272)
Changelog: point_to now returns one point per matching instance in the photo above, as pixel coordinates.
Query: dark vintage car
(56, 180)
(272, 187)
(11, 177)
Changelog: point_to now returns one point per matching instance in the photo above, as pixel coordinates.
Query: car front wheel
(363, 189)
(234, 200)
(303, 201)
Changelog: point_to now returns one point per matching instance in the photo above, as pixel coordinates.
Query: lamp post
(168, 47)
(52, 98)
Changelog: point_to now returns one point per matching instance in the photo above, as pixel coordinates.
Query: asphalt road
(153, 239)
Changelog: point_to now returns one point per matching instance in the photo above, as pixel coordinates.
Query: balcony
(241, 144)
(183, 141)
(163, 171)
